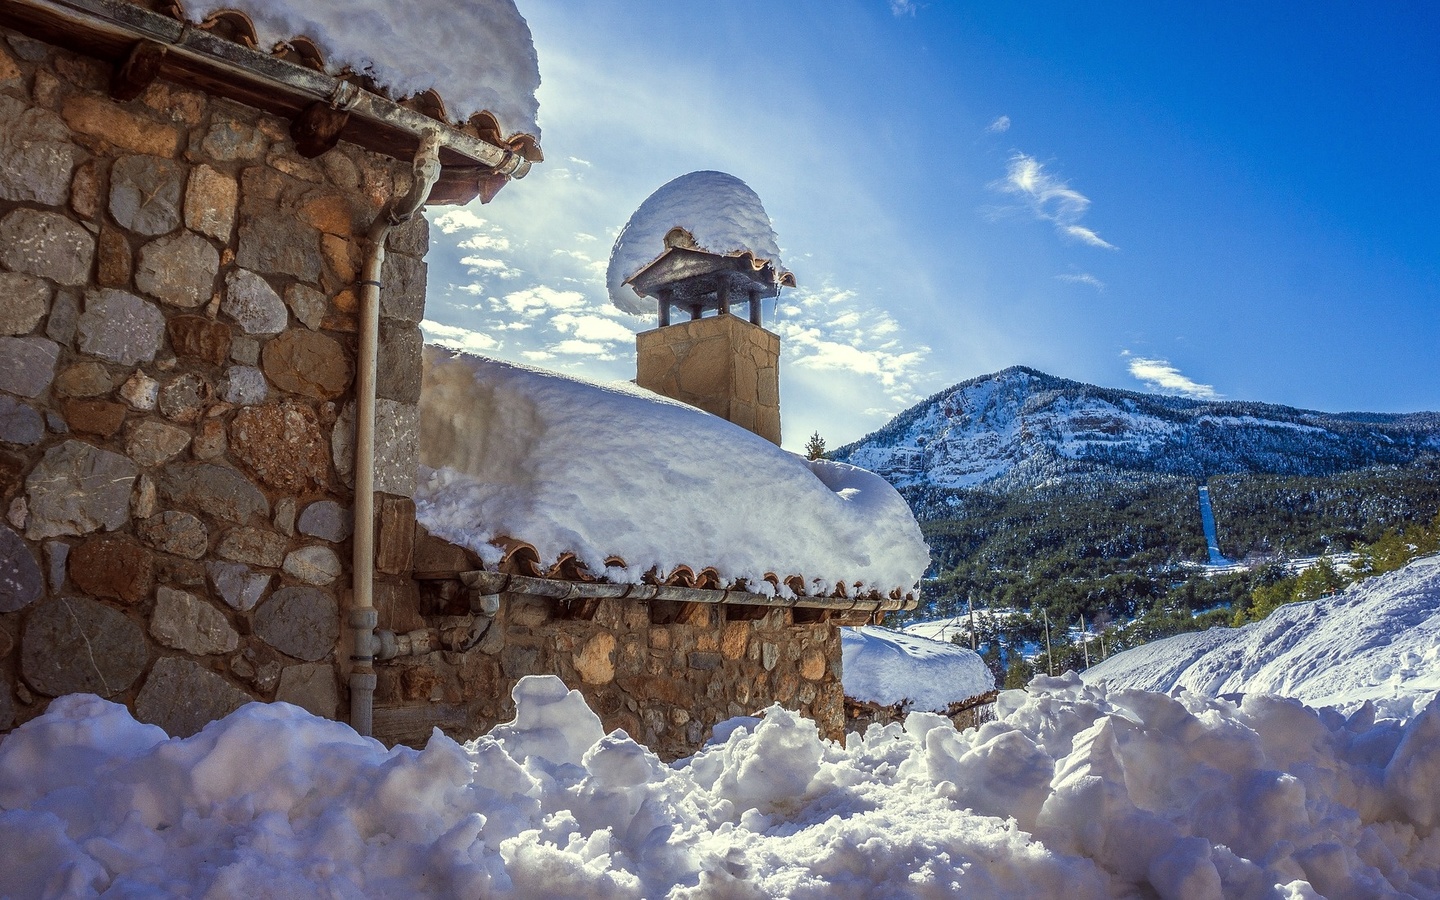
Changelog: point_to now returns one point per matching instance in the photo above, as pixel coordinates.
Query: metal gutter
(363, 617)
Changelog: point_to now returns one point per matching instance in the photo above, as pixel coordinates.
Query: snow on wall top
(721, 213)
(885, 667)
(614, 470)
(476, 54)
(1378, 641)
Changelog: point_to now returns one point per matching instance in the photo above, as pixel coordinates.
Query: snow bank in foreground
(575, 467)
(886, 667)
(721, 213)
(1377, 641)
(1071, 793)
(477, 54)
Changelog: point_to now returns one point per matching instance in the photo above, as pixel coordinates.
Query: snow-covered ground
(1378, 641)
(884, 666)
(1073, 792)
(601, 470)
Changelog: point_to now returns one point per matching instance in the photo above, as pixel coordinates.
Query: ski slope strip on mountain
(883, 666)
(1378, 642)
(1020, 427)
(1074, 791)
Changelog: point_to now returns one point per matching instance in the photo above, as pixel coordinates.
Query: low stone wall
(177, 319)
(971, 713)
(666, 673)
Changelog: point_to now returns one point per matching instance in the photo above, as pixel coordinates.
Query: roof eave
(112, 30)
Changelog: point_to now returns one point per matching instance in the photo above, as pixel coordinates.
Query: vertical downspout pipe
(363, 618)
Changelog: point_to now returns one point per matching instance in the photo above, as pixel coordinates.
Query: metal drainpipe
(363, 618)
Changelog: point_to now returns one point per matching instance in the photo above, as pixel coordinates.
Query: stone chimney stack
(721, 364)
(716, 249)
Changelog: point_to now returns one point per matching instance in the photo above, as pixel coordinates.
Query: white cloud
(1082, 278)
(1161, 375)
(498, 243)
(822, 330)
(456, 337)
(999, 126)
(1086, 236)
(577, 347)
(902, 7)
(1050, 199)
(592, 327)
(484, 265)
(578, 161)
(459, 219)
(541, 297)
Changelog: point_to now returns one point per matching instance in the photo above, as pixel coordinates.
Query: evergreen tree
(815, 447)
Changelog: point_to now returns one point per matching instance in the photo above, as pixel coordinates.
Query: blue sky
(1223, 199)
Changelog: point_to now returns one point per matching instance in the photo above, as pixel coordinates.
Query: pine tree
(815, 447)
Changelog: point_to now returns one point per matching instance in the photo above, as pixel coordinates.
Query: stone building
(183, 227)
(188, 277)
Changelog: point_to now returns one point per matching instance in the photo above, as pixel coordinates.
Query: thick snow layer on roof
(886, 667)
(575, 467)
(476, 54)
(1073, 792)
(721, 213)
(1378, 641)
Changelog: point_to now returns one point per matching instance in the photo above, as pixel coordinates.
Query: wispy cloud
(1082, 278)
(849, 337)
(461, 219)
(458, 338)
(1086, 236)
(999, 126)
(488, 265)
(538, 299)
(591, 327)
(1161, 375)
(1050, 199)
(903, 7)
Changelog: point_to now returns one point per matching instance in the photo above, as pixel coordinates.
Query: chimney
(718, 255)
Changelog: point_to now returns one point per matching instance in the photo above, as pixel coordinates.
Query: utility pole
(1085, 640)
(974, 643)
(1049, 658)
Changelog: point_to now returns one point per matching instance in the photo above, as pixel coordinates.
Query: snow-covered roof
(883, 666)
(615, 471)
(477, 56)
(721, 214)
(1378, 641)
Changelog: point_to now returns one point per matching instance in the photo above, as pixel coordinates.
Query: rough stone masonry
(177, 318)
(177, 343)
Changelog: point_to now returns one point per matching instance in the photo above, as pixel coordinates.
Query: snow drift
(1378, 641)
(1073, 792)
(882, 666)
(614, 470)
(720, 211)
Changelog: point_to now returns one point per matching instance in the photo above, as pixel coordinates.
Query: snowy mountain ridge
(1020, 427)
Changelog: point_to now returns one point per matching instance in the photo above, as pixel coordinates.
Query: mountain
(1036, 490)
(1021, 428)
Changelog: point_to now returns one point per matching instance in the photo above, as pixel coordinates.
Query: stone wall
(177, 343)
(666, 673)
(721, 364)
(177, 319)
